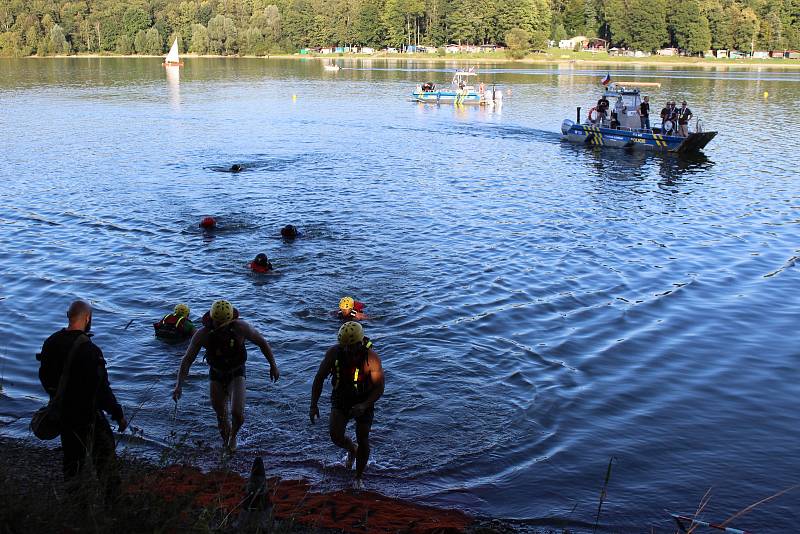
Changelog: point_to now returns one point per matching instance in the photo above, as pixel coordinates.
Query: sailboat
(172, 59)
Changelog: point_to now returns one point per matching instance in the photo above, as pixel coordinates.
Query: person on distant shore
(175, 325)
(644, 113)
(261, 264)
(351, 310)
(85, 430)
(684, 117)
(358, 382)
(223, 335)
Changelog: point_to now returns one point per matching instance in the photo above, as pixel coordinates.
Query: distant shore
(550, 58)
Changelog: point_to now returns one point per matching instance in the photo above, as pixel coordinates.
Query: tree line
(259, 27)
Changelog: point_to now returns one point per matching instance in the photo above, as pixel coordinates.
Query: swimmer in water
(351, 310)
(289, 232)
(236, 168)
(261, 264)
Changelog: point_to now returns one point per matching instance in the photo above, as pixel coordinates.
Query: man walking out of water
(357, 379)
(223, 335)
(84, 429)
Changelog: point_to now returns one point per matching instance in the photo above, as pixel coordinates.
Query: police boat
(620, 126)
(462, 90)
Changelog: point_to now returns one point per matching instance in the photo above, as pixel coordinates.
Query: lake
(540, 307)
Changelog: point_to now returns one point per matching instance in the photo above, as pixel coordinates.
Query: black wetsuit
(351, 382)
(86, 396)
(226, 354)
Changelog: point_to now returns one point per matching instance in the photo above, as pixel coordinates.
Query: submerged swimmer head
(289, 231)
(236, 168)
(261, 259)
(208, 223)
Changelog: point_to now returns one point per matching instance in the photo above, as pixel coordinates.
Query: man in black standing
(644, 113)
(684, 116)
(84, 429)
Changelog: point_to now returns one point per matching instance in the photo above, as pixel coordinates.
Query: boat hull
(598, 136)
(448, 97)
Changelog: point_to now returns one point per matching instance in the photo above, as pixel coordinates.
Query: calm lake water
(540, 307)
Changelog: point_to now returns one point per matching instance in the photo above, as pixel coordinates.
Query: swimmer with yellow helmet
(358, 382)
(176, 325)
(351, 310)
(223, 335)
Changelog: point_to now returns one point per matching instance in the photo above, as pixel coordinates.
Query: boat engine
(566, 125)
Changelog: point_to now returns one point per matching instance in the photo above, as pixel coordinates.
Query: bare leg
(338, 424)
(219, 401)
(237, 390)
(362, 437)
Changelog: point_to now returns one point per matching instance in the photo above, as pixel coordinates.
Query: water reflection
(174, 85)
(628, 165)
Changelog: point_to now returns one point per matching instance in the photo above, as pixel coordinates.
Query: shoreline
(178, 496)
(745, 64)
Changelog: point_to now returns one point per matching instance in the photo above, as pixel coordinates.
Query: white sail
(172, 57)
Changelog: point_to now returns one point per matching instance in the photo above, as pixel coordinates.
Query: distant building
(722, 53)
(760, 54)
(367, 50)
(667, 52)
(570, 44)
(736, 54)
(791, 54)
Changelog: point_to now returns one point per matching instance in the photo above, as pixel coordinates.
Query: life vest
(256, 268)
(225, 349)
(347, 376)
(172, 326)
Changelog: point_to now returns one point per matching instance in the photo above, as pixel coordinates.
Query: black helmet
(289, 231)
(261, 259)
(236, 167)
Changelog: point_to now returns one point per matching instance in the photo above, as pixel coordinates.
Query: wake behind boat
(462, 90)
(621, 126)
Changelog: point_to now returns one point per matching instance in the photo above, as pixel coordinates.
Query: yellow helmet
(222, 311)
(181, 310)
(351, 333)
(346, 304)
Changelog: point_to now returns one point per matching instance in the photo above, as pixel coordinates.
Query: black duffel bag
(46, 421)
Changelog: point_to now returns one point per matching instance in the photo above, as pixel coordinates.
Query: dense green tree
(134, 20)
(200, 39)
(690, 27)
(258, 26)
(518, 42)
(58, 41)
(153, 43)
(124, 45)
(745, 29)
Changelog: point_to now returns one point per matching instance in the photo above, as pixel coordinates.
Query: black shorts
(225, 377)
(364, 419)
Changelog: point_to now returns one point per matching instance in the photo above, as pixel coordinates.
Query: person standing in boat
(666, 112)
(684, 116)
(602, 109)
(644, 113)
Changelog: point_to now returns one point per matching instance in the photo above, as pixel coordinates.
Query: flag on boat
(606, 79)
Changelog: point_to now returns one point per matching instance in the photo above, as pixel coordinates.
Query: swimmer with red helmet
(208, 223)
